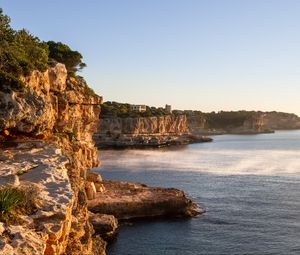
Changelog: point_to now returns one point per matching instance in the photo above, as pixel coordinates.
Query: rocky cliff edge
(46, 144)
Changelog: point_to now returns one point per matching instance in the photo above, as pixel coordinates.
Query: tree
(20, 52)
(64, 54)
(5, 30)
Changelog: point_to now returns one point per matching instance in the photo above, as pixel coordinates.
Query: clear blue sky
(194, 54)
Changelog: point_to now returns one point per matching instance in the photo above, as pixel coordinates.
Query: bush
(71, 136)
(10, 198)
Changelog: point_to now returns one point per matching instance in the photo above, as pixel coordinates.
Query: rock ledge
(127, 200)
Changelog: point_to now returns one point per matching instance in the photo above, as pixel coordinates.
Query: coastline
(152, 141)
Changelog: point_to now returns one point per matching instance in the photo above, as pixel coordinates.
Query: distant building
(138, 108)
(168, 108)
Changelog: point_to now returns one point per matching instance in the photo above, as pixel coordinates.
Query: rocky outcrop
(62, 112)
(144, 132)
(132, 200)
(281, 121)
(104, 224)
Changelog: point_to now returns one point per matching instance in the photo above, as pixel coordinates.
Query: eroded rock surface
(127, 200)
(42, 167)
(55, 108)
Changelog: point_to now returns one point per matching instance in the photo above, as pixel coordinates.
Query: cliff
(183, 127)
(143, 131)
(240, 122)
(46, 140)
(164, 125)
(281, 121)
(196, 122)
(253, 125)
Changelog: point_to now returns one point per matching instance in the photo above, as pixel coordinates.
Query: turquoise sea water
(249, 186)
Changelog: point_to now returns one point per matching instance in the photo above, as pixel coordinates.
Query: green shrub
(10, 198)
(71, 135)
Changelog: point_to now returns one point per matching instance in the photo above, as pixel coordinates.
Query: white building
(138, 108)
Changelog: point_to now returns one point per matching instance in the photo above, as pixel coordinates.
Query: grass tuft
(10, 198)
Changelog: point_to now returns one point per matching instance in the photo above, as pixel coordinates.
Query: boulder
(99, 187)
(90, 190)
(93, 177)
(104, 225)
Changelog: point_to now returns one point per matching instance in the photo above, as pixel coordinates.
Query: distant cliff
(164, 125)
(143, 131)
(240, 122)
(225, 123)
(281, 121)
(183, 127)
(196, 122)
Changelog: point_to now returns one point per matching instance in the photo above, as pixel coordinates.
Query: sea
(249, 186)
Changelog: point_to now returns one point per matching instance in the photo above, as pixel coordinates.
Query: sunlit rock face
(152, 125)
(62, 113)
(141, 201)
(143, 131)
(42, 167)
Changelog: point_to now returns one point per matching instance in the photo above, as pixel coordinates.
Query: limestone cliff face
(153, 125)
(281, 120)
(64, 113)
(152, 131)
(196, 123)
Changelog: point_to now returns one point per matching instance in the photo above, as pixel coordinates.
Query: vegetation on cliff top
(21, 53)
(213, 120)
(114, 109)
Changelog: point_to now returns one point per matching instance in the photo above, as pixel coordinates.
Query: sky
(206, 55)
